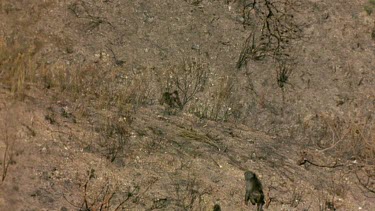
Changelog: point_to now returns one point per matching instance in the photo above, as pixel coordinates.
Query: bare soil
(311, 144)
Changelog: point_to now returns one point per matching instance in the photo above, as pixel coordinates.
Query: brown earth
(82, 129)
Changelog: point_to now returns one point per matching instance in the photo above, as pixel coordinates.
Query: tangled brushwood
(273, 30)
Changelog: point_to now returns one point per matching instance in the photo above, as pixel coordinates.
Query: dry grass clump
(113, 137)
(101, 88)
(8, 137)
(91, 85)
(17, 69)
(222, 102)
(350, 137)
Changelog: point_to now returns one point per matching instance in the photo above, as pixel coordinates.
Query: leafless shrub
(81, 10)
(278, 26)
(103, 197)
(189, 78)
(366, 180)
(189, 194)
(112, 138)
(274, 30)
(91, 85)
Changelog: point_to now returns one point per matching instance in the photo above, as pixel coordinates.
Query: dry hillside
(89, 118)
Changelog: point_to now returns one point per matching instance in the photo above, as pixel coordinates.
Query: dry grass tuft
(350, 136)
(8, 137)
(17, 69)
(222, 102)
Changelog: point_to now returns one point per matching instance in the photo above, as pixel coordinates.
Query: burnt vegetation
(111, 68)
(274, 32)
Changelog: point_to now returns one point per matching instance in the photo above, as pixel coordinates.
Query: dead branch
(320, 165)
(366, 184)
(190, 79)
(5, 163)
(80, 10)
(278, 30)
(7, 158)
(304, 159)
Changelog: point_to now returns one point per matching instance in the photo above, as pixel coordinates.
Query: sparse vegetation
(112, 138)
(189, 194)
(9, 126)
(85, 88)
(222, 103)
(274, 31)
(366, 180)
(278, 29)
(349, 137)
(326, 202)
(189, 78)
(368, 9)
(104, 197)
(296, 198)
(17, 69)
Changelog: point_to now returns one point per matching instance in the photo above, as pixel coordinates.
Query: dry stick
(131, 194)
(363, 184)
(104, 191)
(125, 200)
(335, 144)
(71, 203)
(5, 163)
(305, 160)
(6, 155)
(85, 203)
(107, 199)
(268, 200)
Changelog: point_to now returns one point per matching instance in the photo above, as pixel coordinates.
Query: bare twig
(94, 21)
(278, 29)
(365, 185)
(5, 163)
(319, 165)
(7, 158)
(190, 78)
(304, 159)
